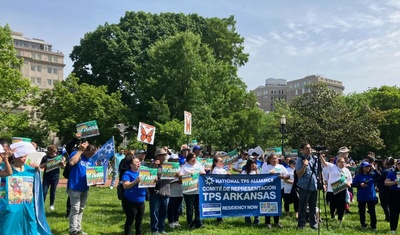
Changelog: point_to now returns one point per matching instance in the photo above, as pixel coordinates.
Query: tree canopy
(15, 92)
(70, 103)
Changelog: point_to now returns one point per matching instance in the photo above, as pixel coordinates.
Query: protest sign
(240, 195)
(53, 163)
(20, 139)
(230, 158)
(146, 133)
(339, 185)
(88, 129)
(169, 170)
(205, 162)
(95, 175)
(148, 177)
(188, 123)
(190, 182)
(35, 157)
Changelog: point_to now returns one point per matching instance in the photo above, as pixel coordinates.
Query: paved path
(63, 183)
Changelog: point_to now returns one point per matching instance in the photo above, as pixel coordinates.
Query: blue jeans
(114, 176)
(158, 212)
(52, 184)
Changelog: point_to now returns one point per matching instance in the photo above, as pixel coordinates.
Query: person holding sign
(51, 166)
(271, 166)
(77, 185)
(339, 179)
(393, 182)
(176, 197)
(24, 200)
(238, 167)
(134, 198)
(159, 195)
(191, 198)
(250, 169)
(364, 180)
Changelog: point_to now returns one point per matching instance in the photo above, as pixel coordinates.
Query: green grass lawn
(104, 215)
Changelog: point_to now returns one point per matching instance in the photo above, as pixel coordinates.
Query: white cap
(22, 149)
(174, 156)
(2, 149)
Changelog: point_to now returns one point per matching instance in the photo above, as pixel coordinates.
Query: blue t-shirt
(77, 177)
(368, 193)
(118, 158)
(134, 194)
(392, 177)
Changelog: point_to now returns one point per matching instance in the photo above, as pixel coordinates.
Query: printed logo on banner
(268, 207)
(211, 209)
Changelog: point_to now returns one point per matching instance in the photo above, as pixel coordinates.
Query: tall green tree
(387, 100)
(167, 63)
(70, 103)
(16, 91)
(321, 116)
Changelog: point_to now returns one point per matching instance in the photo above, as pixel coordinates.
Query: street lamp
(283, 130)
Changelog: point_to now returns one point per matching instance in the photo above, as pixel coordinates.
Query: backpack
(67, 170)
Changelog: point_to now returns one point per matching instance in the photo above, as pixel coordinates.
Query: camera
(319, 148)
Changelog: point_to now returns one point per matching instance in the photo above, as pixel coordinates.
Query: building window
(296, 92)
(39, 56)
(49, 82)
(50, 58)
(302, 91)
(33, 79)
(39, 68)
(55, 59)
(32, 67)
(33, 55)
(38, 80)
(49, 70)
(55, 71)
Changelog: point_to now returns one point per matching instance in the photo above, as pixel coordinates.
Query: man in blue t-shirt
(117, 160)
(77, 185)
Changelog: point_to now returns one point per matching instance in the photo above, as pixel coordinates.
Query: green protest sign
(53, 163)
(169, 170)
(148, 177)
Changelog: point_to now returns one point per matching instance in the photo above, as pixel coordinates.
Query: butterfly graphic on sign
(146, 133)
(188, 123)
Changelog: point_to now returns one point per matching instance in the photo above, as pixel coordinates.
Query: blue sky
(356, 42)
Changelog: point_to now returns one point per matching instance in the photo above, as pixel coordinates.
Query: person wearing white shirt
(251, 169)
(290, 194)
(241, 162)
(271, 166)
(337, 173)
(192, 198)
(218, 169)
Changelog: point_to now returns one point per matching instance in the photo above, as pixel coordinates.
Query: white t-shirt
(288, 187)
(240, 163)
(277, 169)
(219, 171)
(192, 169)
(335, 173)
(251, 173)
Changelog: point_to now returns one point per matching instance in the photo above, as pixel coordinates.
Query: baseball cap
(197, 148)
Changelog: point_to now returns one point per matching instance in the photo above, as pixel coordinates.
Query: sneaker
(177, 224)
(172, 225)
(393, 231)
(269, 226)
(278, 225)
(52, 208)
(111, 187)
(73, 233)
(364, 226)
(200, 225)
(82, 232)
(162, 232)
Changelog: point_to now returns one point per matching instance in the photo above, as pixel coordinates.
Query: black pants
(384, 198)
(289, 199)
(174, 205)
(192, 203)
(52, 184)
(133, 212)
(394, 211)
(338, 203)
(268, 219)
(371, 211)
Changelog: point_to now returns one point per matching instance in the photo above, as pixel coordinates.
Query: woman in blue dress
(24, 209)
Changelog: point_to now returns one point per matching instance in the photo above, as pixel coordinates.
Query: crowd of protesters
(302, 177)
